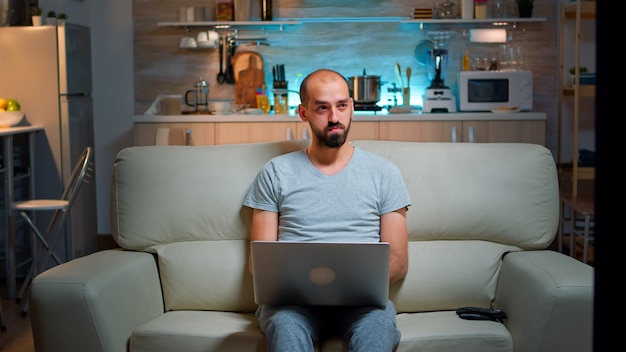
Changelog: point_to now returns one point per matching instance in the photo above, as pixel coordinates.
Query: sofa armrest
(93, 303)
(548, 298)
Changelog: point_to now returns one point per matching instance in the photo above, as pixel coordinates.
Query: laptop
(320, 273)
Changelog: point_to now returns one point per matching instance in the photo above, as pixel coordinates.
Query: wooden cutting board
(249, 76)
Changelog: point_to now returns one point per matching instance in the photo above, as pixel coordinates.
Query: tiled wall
(163, 68)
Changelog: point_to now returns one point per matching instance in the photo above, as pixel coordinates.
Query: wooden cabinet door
(254, 132)
(359, 130)
(420, 131)
(520, 131)
(363, 130)
(202, 133)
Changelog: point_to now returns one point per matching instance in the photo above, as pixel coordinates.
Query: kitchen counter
(358, 116)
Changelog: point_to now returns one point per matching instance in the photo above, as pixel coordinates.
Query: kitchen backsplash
(161, 67)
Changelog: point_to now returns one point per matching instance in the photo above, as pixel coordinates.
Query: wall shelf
(584, 90)
(297, 21)
(230, 24)
(474, 21)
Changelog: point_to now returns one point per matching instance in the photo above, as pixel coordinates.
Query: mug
(202, 37)
(188, 42)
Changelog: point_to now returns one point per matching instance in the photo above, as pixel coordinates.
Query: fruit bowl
(10, 118)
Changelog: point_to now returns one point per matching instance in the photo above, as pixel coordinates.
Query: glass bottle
(266, 10)
(480, 9)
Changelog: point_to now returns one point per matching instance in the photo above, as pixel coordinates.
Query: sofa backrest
(501, 192)
(471, 204)
(168, 194)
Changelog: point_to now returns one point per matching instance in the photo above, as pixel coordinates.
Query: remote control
(478, 313)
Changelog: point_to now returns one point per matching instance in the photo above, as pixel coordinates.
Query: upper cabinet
(576, 90)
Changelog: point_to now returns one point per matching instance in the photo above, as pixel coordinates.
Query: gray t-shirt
(312, 206)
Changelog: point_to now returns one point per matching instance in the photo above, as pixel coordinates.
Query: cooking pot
(365, 89)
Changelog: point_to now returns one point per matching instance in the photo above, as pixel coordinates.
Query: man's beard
(333, 140)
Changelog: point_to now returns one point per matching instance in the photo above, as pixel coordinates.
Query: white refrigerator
(48, 70)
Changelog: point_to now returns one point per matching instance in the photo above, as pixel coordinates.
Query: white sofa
(481, 220)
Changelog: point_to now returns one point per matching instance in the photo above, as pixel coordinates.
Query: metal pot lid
(365, 76)
(420, 51)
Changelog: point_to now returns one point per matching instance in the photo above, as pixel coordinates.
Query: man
(330, 191)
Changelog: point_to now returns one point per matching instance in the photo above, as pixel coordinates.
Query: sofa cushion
(206, 275)
(445, 331)
(446, 275)
(199, 331)
(510, 195)
(166, 194)
(191, 331)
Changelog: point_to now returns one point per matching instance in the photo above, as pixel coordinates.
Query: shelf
(229, 24)
(297, 21)
(474, 21)
(349, 19)
(576, 11)
(587, 10)
(583, 172)
(586, 90)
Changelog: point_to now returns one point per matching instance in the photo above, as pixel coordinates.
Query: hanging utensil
(230, 52)
(221, 77)
(399, 75)
(408, 76)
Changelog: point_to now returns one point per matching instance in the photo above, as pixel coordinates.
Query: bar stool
(61, 208)
(581, 210)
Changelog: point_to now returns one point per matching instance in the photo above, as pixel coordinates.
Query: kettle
(200, 93)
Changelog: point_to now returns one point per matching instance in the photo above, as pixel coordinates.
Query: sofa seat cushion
(200, 331)
(204, 331)
(206, 275)
(445, 331)
(446, 275)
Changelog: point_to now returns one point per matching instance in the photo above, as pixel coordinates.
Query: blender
(438, 97)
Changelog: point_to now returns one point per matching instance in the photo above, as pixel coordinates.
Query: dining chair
(81, 173)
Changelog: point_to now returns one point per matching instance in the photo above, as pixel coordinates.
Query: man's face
(329, 110)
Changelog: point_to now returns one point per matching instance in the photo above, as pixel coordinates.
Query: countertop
(358, 116)
(9, 131)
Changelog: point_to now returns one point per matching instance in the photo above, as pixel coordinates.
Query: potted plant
(51, 18)
(525, 7)
(36, 15)
(572, 71)
(61, 18)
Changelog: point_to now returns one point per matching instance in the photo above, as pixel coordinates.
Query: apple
(12, 105)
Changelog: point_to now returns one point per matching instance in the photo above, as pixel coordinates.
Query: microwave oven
(490, 90)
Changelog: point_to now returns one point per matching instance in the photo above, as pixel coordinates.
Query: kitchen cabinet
(469, 131)
(202, 133)
(514, 131)
(254, 132)
(572, 92)
(363, 130)
(210, 133)
(420, 131)
(454, 127)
